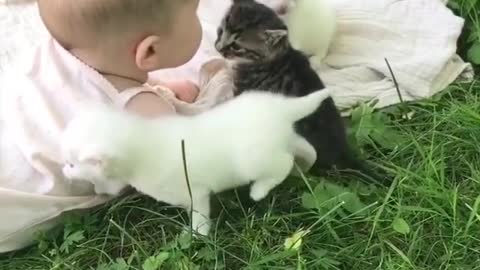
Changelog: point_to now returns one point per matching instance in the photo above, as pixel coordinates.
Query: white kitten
(249, 138)
(311, 27)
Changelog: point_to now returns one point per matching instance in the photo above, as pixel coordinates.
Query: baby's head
(136, 35)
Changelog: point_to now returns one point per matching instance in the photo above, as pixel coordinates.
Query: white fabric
(417, 36)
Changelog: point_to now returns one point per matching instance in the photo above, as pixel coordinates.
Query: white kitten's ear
(94, 158)
(239, 1)
(274, 37)
(113, 187)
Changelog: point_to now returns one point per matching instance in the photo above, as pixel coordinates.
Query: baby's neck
(119, 72)
(122, 83)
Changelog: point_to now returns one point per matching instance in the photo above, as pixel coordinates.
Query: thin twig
(394, 81)
(185, 170)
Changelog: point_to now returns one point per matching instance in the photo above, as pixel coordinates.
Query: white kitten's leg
(280, 170)
(201, 214)
(305, 155)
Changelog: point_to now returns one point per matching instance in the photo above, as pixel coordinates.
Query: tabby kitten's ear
(274, 37)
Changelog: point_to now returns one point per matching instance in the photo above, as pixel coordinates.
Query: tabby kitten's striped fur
(255, 38)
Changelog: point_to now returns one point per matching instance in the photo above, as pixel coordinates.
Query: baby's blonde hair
(77, 22)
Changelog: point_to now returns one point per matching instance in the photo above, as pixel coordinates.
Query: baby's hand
(184, 90)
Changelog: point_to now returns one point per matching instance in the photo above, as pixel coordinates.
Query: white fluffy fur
(311, 26)
(249, 138)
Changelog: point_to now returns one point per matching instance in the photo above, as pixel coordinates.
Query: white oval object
(312, 26)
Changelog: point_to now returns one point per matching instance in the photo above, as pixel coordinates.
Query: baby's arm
(184, 90)
(149, 105)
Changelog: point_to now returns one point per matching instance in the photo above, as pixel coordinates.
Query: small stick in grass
(187, 179)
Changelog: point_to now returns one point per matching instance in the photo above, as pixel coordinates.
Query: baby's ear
(274, 37)
(147, 55)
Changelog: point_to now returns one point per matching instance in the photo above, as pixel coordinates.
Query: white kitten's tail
(301, 107)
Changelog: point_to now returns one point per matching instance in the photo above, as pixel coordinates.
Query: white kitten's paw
(203, 229)
(186, 233)
(200, 224)
(200, 231)
(258, 192)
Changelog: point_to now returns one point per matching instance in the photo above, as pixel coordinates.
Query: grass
(428, 218)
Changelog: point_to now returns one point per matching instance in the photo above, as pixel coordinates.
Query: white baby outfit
(38, 99)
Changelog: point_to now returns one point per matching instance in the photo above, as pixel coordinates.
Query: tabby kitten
(255, 38)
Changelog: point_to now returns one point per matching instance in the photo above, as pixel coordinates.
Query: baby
(125, 40)
(97, 50)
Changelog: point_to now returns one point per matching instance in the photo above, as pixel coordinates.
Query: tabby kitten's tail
(356, 166)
